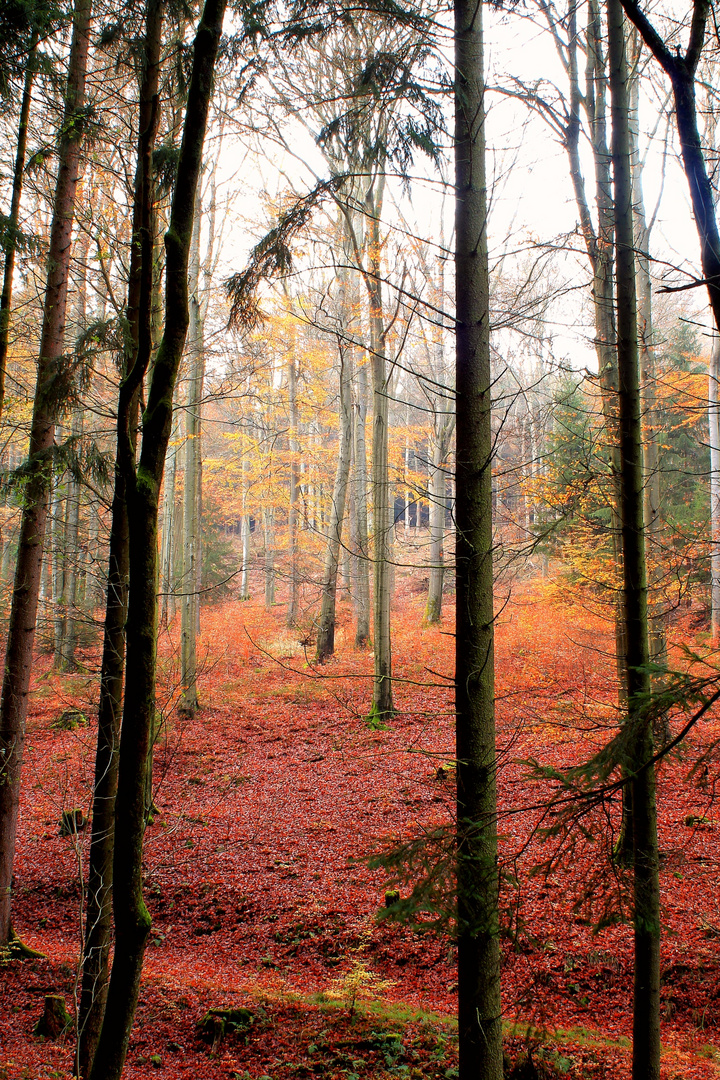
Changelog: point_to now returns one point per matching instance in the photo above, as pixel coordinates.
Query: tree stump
(55, 1019)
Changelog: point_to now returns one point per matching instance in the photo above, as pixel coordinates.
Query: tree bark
(326, 624)
(132, 921)
(360, 513)
(646, 890)
(189, 702)
(714, 431)
(14, 218)
(98, 918)
(479, 1013)
(21, 632)
(293, 517)
(382, 703)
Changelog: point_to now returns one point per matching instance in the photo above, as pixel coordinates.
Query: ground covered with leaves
(270, 803)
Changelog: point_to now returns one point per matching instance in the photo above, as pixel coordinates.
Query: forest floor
(269, 803)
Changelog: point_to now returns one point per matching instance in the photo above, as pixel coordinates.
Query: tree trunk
(132, 921)
(646, 891)
(167, 541)
(68, 643)
(714, 427)
(293, 606)
(436, 510)
(13, 220)
(189, 702)
(479, 1018)
(21, 632)
(269, 523)
(98, 921)
(326, 625)
(360, 512)
(382, 703)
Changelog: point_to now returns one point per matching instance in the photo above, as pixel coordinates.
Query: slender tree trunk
(244, 533)
(269, 523)
(132, 921)
(479, 1018)
(714, 427)
(646, 894)
(382, 703)
(651, 426)
(436, 511)
(98, 920)
(326, 625)
(293, 517)
(189, 702)
(21, 632)
(68, 645)
(360, 512)
(13, 221)
(167, 540)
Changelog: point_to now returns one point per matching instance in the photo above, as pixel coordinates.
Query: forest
(359, 540)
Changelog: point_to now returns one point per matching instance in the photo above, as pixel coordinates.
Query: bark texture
(46, 407)
(646, 891)
(13, 222)
(479, 1017)
(98, 918)
(132, 921)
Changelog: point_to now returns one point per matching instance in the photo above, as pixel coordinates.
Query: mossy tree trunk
(98, 919)
(143, 477)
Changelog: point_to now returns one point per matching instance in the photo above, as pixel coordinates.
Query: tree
(143, 477)
(640, 767)
(98, 916)
(479, 1015)
(13, 220)
(52, 385)
(326, 622)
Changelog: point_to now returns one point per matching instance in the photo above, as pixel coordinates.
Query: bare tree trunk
(293, 603)
(98, 920)
(68, 644)
(269, 522)
(437, 511)
(189, 702)
(326, 625)
(714, 426)
(360, 511)
(479, 1015)
(382, 704)
(646, 889)
(13, 220)
(167, 543)
(21, 632)
(132, 921)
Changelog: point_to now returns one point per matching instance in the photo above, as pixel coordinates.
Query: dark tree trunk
(646, 891)
(14, 218)
(479, 1018)
(21, 632)
(98, 921)
(681, 71)
(132, 921)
